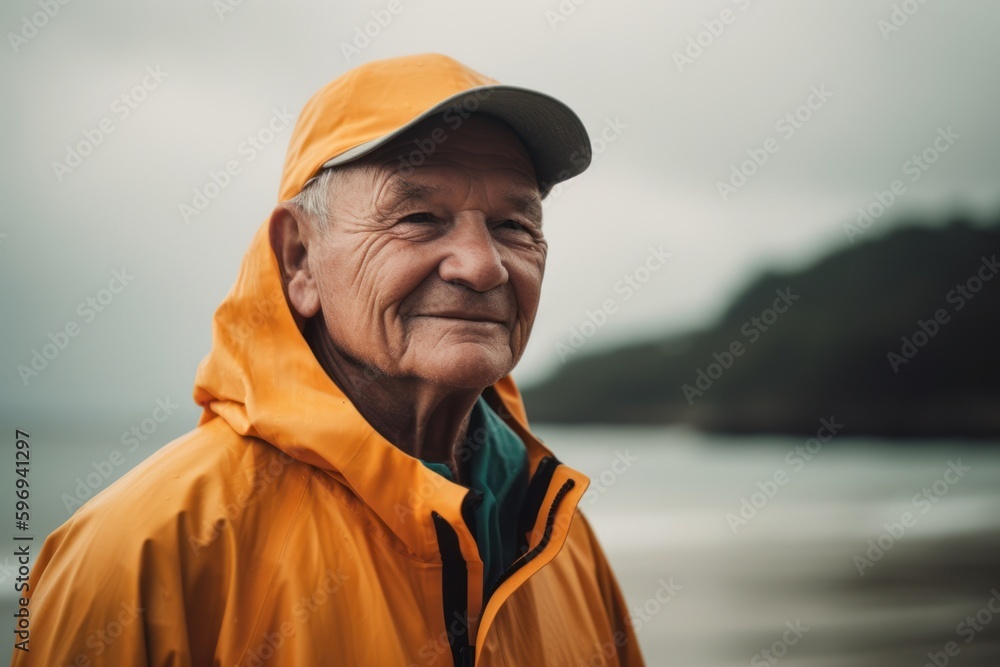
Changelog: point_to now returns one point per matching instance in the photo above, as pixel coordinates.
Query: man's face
(433, 272)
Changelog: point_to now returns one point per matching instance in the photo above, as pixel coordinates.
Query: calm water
(712, 588)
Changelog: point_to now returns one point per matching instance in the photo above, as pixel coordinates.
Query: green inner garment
(495, 463)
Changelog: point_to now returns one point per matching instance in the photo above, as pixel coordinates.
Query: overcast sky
(680, 116)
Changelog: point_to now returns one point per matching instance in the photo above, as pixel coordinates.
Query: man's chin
(465, 366)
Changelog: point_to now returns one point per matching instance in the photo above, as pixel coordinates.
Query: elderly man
(362, 488)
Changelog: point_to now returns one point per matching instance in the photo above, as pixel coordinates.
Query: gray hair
(313, 201)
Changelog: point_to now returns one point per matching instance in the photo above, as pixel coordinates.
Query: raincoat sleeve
(95, 603)
(122, 583)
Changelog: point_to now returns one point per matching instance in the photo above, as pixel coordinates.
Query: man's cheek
(527, 290)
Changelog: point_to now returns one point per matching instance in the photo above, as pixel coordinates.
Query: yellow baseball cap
(370, 105)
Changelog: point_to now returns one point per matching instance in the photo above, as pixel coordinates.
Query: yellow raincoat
(284, 530)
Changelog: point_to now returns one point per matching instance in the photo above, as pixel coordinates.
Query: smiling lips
(497, 306)
(468, 316)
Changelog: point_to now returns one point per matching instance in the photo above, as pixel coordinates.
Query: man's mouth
(467, 316)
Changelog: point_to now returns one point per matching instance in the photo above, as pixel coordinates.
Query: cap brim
(553, 135)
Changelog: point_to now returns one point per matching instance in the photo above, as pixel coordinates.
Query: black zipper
(455, 580)
(455, 571)
(546, 536)
(533, 498)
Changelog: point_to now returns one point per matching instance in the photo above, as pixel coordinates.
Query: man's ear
(290, 240)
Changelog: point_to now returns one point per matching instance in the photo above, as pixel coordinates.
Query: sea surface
(742, 551)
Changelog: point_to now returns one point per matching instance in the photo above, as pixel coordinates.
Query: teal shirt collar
(494, 462)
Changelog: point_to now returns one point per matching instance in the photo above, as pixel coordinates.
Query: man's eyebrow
(405, 192)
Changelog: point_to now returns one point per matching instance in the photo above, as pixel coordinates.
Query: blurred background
(769, 320)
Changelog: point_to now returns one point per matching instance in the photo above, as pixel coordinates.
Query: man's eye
(419, 217)
(513, 224)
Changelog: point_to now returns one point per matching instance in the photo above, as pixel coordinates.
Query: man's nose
(473, 260)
